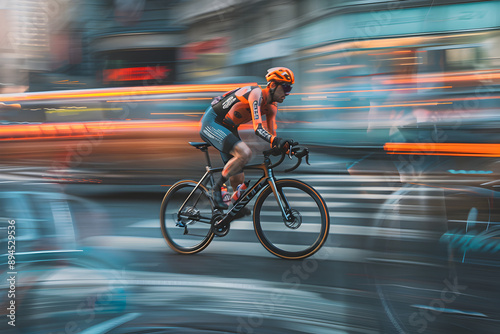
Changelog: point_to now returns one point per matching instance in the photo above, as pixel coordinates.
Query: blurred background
(397, 101)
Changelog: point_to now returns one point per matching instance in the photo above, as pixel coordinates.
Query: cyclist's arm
(271, 118)
(254, 100)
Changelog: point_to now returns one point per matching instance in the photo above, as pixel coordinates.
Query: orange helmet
(280, 75)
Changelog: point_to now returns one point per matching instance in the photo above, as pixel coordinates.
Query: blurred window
(13, 206)
(138, 67)
(41, 212)
(258, 68)
(461, 58)
(491, 50)
(355, 63)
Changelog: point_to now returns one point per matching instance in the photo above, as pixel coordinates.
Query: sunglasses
(287, 88)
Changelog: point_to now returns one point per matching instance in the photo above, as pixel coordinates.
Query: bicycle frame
(199, 208)
(267, 179)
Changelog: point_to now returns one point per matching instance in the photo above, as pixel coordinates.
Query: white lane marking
(354, 188)
(334, 229)
(219, 246)
(449, 310)
(106, 326)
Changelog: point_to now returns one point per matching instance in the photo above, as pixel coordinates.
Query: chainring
(220, 230)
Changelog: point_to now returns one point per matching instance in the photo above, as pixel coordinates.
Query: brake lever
(291, 152)
(299, 161)
(307, 159)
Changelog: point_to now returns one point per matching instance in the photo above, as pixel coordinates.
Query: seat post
(205, 150)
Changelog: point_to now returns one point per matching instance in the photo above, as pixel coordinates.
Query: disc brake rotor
(296, 220)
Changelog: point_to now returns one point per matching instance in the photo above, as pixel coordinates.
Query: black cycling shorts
(218, 135)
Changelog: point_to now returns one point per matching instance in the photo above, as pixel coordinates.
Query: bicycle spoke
(188, 231)
(307, 227)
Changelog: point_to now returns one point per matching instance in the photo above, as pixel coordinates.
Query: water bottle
(226, 197)
(239, 191)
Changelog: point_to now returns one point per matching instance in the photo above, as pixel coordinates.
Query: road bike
(290, 217)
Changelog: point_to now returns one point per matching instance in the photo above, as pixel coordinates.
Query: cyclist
(219, 125)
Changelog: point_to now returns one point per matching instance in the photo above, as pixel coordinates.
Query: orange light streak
(335, 68)
(47, 137)
(448, 154)
(82, 130)
(441, 78)
(373, 90)
(449, 149)
(126, 91)
(178, 113)
(464, 98)
(155, 100)
(363, 107)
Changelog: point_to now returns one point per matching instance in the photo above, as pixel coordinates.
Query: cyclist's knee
(242, 152)
(247, 155)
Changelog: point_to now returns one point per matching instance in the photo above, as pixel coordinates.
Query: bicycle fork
(283, 204)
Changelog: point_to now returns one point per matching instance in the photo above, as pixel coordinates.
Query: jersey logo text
(255, 110)
(230, 100)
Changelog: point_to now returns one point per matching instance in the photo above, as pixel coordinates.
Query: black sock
(220, 182)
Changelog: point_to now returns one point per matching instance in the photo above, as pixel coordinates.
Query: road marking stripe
(253, 249)
(334, 229)
(106, 326)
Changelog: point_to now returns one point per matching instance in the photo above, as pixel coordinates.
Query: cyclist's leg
(241, 155)
(237, 179)
(224, 140)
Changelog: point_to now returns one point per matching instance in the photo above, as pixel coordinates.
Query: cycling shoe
(217, 196)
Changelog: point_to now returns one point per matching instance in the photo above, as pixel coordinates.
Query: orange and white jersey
(247, 104)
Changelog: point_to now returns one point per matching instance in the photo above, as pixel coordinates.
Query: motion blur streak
(362, 107)
(397, 101)
(125, 92)
(477, 75)
(450, 149)
(157, 100)
(77, 130)
(373, 90)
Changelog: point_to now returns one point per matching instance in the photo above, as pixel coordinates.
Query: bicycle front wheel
(187, 229)
(299, 237)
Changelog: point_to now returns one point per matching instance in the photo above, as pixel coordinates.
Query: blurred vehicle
(50, 253)
(435, 245)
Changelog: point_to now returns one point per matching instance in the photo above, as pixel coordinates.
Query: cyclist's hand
(283, 144)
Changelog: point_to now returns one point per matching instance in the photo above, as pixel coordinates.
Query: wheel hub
(295, 220)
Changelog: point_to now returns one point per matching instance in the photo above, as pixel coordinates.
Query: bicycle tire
(199, 229)
(307, 203)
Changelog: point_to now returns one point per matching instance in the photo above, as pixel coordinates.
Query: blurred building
(75, 44)
(25, 38)
(235, 37)
(60, 44)
(359, 61)
(133, 42)
(244, 38)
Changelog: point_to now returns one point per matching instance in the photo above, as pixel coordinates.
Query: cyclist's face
(279, 94)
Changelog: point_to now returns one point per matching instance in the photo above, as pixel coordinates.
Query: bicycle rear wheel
(187, 230)
(295, 239)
